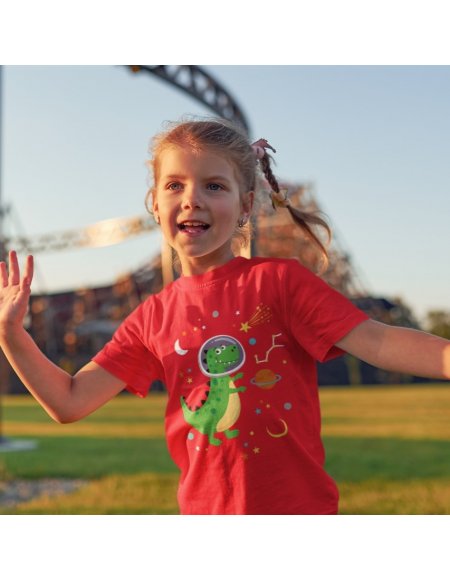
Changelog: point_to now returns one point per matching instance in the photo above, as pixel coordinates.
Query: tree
(438, 323)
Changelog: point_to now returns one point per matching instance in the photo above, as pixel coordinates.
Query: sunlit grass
(397, 411)
(128, 416)
(115, 494)
(416, 496)
(388, 448)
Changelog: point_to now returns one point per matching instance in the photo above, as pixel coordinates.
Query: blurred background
(372, 140)
(367, 145)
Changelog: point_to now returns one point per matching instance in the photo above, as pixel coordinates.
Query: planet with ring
(265, 379)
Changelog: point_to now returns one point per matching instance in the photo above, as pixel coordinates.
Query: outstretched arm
(65, 398)
(399, 349)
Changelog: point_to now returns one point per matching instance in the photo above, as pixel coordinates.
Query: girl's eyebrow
(173, 177)
(208, 179)
(219, 178)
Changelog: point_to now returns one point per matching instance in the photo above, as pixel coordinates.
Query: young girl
(235, 340)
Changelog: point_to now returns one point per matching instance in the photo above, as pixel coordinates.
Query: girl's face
(198, 204)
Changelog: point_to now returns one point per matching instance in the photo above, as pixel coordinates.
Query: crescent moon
(178, 349)
(281, 434)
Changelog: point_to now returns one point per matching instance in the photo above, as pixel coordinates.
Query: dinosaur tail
(187, 411)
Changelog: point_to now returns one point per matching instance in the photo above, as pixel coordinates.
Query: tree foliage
(438, 323)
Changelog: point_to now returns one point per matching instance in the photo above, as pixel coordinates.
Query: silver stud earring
(242, 222)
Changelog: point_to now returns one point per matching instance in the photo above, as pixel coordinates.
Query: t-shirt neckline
(211, 277)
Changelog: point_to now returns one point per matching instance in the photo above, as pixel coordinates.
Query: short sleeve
(127, 357)
(318, 315)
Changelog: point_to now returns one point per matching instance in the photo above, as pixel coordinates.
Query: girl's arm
(65, 398)
(399, 349)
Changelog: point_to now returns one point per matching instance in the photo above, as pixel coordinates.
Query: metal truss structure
(199, 84)
(104, 233)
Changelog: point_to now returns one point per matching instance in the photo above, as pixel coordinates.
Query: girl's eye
(174, 186)
(215, 187)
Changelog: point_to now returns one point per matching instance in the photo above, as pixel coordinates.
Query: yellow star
(256, 450)
(189, 380)
(245, 456)
(245, 327)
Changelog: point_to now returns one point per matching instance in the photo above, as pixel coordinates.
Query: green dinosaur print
(222, 406)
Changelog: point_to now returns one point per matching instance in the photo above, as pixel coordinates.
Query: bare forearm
(416, 353)
(65, 398)
(49, 384)
(399, 349)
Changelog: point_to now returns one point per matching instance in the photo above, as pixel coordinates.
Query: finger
(3, 274)
(28, 272)
(14, 273)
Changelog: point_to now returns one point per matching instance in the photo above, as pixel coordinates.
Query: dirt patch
(14, 492)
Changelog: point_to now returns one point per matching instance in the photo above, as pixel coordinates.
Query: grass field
(388, 448)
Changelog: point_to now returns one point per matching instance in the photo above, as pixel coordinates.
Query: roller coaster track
(200, 85)
(197, 83)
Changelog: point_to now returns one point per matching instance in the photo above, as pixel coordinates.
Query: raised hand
(14, 291)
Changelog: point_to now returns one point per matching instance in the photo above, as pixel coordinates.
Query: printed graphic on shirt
(263, 314)
(280, 434)
(274, 346)
(264, 426)
(215, 411)
(218, 358)
(265, 379)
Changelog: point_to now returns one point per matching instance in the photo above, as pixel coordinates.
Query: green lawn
(387, 447)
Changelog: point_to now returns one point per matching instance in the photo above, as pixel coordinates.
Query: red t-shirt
(237, 349)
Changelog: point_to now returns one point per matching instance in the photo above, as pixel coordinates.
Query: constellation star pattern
(274, 346)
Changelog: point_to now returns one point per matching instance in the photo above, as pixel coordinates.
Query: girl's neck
(202, 265)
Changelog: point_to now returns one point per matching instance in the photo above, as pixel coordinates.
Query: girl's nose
(192, 197)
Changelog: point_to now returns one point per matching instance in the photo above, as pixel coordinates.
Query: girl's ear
(154, 206)
(247, 202)
(150, 201)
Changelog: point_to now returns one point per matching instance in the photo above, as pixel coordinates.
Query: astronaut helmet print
(220, 356)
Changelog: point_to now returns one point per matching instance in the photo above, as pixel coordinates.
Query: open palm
(14, 291)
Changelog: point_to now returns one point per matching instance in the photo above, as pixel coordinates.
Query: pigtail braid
(267, 171)
(305, 220)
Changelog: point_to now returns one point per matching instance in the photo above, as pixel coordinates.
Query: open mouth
(192, 226)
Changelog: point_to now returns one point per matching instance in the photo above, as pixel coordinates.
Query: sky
(374, 141)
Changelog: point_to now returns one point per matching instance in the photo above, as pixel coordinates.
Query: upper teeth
(193, 224)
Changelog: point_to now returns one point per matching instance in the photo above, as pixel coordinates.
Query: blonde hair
(231, 141)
